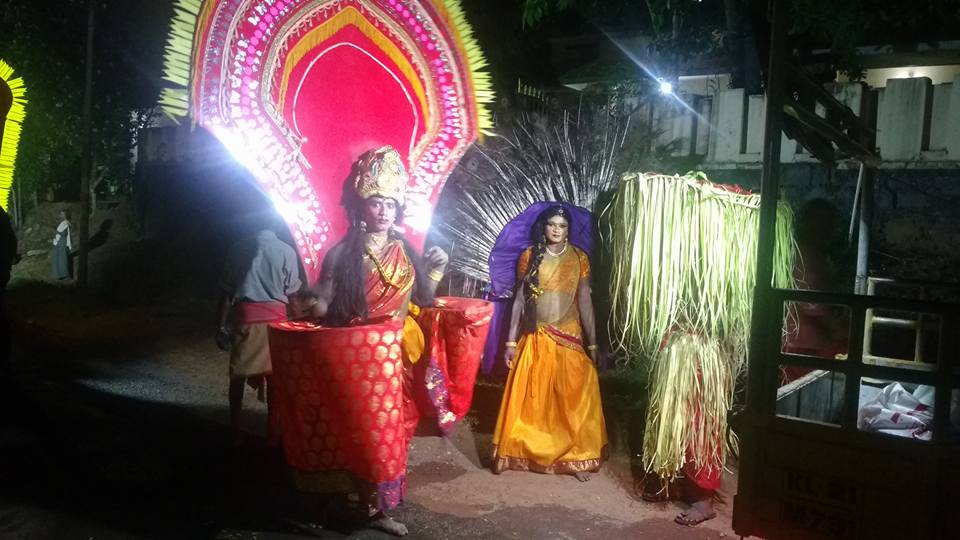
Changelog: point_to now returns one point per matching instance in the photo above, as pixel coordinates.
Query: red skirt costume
(346, 403)
(339, 401)
(455, 332)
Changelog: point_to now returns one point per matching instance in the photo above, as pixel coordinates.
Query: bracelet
(512, 344)
(435, 275)
(592, 347)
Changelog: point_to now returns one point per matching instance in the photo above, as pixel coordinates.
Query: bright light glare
(665, 87)
(418, 215)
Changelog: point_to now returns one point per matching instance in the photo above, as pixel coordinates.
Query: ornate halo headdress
(381, 173)
(297, 90)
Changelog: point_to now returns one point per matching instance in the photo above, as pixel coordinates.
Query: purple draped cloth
(513, 240)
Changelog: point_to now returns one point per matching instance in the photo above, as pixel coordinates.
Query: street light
(666, 88)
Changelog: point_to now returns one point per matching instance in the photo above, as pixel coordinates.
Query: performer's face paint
(556, 230)
(380, 213)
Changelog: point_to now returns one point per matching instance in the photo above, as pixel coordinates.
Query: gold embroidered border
(563, 339)
(382, 496)
(503, 463)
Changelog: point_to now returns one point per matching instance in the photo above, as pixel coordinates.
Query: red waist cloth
(455, 332)
(708, 476)
(338, 397)
(705, 478)
(258, 312)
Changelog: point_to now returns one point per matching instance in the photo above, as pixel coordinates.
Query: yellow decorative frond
(480, 82)
(175, 103)
(11, 130)
(178, 58)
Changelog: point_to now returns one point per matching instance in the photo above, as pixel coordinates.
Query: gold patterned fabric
(389, 282)
(339, 402)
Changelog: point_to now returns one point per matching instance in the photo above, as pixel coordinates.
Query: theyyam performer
(307, 95)
(550, 420)
(346, 405)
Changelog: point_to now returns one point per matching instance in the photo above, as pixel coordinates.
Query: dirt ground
(119, 432)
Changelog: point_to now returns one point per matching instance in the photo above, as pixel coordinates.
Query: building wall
(917, 123)
(878, 77)
(916, 230)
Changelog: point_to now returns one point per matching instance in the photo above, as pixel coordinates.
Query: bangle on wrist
(592, 347)
(435, 275)
(511, 344)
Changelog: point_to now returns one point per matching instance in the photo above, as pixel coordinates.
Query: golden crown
(381, 173)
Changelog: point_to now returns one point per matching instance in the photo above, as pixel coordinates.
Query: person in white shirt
(62, 246)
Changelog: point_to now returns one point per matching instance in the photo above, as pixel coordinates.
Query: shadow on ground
(96, 442)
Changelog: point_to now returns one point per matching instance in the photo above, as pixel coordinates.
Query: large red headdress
(298, 90)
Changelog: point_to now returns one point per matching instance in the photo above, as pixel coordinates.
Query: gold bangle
(511, 344)
(592, 347)
(435, 275)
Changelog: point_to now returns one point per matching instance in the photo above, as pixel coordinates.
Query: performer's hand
(436, 259)
(509, 355)
(223, 339)
(318, 310)
(595, 357)
(304, 306)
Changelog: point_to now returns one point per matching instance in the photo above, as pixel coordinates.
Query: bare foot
(582, 476)
(387, 524)
(698, 512)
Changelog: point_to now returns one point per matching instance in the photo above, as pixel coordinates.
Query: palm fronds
(683, 255)
(691, 389)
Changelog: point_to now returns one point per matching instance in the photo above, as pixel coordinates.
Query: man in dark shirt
(260, 275)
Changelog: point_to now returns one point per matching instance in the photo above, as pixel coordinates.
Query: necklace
(562, 251)
(377, 241)
(380, 270)
(546, 280)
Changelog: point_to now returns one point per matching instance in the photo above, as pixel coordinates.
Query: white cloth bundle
(896, 411)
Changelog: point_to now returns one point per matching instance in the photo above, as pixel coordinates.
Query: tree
(680, 30)
(685, 28)
(46, 41)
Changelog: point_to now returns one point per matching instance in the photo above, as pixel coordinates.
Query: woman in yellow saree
(550, 418)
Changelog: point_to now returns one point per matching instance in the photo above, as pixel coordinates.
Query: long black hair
(531, 279)
(349, 279)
